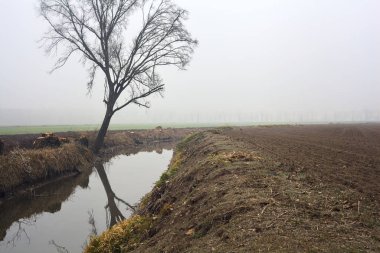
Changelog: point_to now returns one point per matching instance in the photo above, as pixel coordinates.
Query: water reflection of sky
(67, 225)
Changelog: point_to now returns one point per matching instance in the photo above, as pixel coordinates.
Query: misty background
(258, 61)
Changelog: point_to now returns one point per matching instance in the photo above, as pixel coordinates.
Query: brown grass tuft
(124, 236)
(233, 156)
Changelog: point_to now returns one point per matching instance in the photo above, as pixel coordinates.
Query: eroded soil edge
(226, 191)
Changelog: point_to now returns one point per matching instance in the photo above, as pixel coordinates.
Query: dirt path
(266, 189)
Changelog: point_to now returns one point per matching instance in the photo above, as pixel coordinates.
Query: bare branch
(92, 72)
(135, 98)
(96, 30)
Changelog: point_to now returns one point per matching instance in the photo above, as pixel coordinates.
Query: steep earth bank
(265, 189)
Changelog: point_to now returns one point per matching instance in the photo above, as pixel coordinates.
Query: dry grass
(172, 169)
(124, 236)
(226, 157)
(30, 166)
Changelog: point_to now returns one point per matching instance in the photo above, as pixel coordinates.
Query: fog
(257, 61)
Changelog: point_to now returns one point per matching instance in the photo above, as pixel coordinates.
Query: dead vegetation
(227, 194)
(49, 140)
(133, 230)
(26, 167)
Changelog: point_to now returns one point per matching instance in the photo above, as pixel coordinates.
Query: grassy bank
(22, 167)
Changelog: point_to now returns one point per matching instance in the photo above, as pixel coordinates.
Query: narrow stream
(61, 216)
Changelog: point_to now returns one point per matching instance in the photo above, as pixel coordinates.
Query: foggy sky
(285, 60)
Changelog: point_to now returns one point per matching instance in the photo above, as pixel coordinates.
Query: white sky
(285, 60)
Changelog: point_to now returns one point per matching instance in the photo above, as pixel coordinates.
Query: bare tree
(96, 29)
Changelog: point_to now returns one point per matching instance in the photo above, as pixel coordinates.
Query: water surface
(60, 217)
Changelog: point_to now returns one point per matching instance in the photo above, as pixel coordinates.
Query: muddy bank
(230, 191)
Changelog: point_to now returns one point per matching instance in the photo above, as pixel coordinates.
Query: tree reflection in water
(20, 232)
(113, 212)
(91, 221)
(59, 248)
(114, 215)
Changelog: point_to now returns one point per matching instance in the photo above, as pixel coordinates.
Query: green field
(10, 130)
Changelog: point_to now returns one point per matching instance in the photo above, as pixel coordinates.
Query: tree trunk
(99, 142)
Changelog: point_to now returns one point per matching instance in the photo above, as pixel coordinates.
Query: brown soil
(268, 189)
